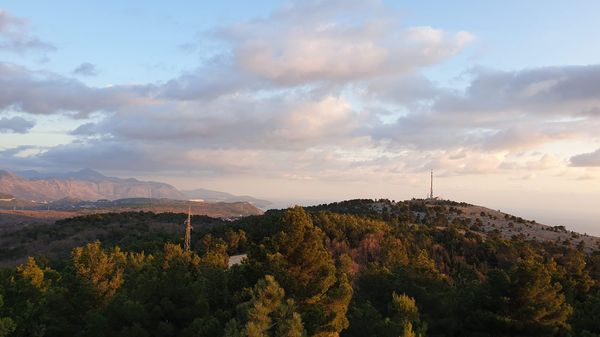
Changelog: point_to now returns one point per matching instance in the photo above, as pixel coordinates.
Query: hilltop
(478, 219)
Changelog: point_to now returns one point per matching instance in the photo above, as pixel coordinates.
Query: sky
(314, 100)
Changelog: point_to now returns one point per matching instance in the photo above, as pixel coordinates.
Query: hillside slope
(55, 232)
(479, 219)
(20, 230)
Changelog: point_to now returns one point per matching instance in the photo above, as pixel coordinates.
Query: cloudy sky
(319, 100)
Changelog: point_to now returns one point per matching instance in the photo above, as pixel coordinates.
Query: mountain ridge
(85, 184)
(90, 185)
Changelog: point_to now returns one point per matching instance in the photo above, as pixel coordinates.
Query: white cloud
(40, 92)
(354, 43)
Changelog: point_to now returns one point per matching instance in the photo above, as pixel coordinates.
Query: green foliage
(214, 251)
(297, 257)
(102, 271)
(587, 314)
(7, 325)
(405, 314)
(361, 268)
(266, 313)
(523, 300)
(33, 273)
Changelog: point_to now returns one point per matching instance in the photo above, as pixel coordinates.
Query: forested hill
(355, 268)
(479, 219)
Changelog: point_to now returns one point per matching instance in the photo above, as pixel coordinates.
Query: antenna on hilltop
(431, 186)
(430, 195)
(188, 229)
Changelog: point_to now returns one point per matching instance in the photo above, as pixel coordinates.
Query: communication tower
(431, 186)
(188, 230)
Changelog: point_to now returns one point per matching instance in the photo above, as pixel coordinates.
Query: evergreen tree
(524, 301)
(297, 257)
(586, 315)
(537, 303)
(7, 325)
(405, 314)
(266, 313)
(33, 273)
(101, 270)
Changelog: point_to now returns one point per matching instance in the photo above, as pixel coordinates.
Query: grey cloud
(16, 125)
(160, 157)
(85, 69)
(550, 90)
(176, 116)
(10, 158)
(591, 159)
(38, 92)
(404, 90)
(15, 37)
(100, 154)
(498, 110)
(212, 81)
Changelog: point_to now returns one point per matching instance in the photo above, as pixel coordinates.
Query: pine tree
(266, 314)
(33, 273)
(101, 270)
(537, 303)
(298, 259)
(405, 314)
(524, 300)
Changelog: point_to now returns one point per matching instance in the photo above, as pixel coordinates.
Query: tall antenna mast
(431, 188)
(188, 230)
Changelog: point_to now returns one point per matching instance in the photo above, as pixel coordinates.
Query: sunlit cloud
(315, 91)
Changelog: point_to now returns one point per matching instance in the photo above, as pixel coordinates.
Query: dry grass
(508, 226)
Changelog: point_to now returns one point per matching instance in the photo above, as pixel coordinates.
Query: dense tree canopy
(347, 269)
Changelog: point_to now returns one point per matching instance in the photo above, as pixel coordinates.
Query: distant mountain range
(87, 184)
(84, 185)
